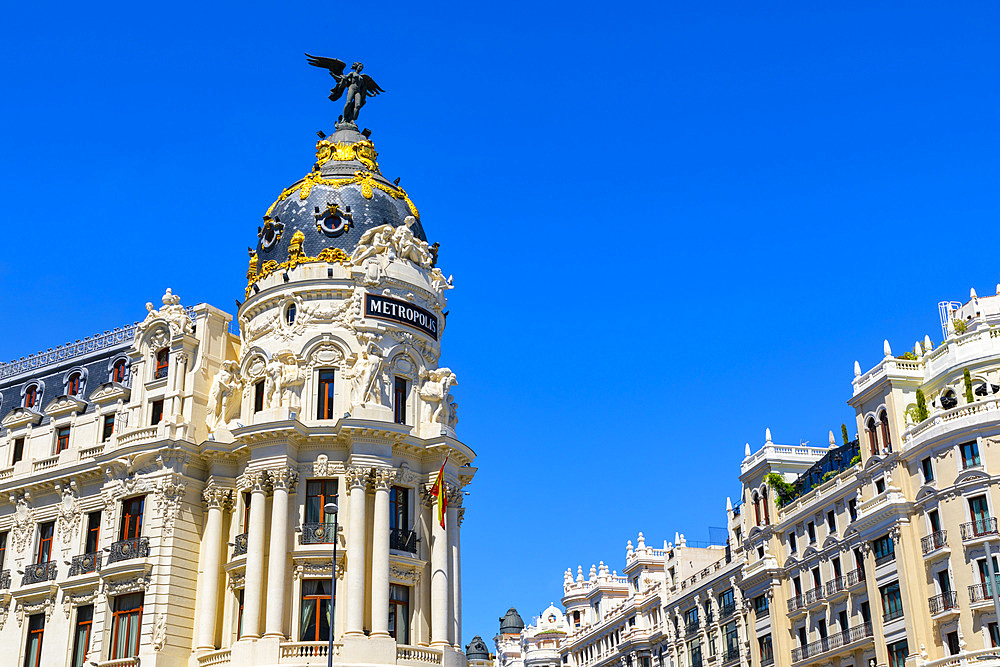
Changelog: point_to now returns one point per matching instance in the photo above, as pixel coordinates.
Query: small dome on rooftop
(511, 623)
(477, 649)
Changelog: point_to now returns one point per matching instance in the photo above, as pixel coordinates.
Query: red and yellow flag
(439, 492)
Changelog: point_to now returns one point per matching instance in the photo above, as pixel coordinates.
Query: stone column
(382, 479)
(454, 565)
(282, 481)
(440, 621)
(357, 480)
(216, 499)
(256, 481)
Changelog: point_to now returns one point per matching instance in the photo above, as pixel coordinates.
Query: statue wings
(336, 68)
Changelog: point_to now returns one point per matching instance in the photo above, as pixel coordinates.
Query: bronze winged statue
(357, 85)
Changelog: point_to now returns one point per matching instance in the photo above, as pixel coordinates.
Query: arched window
(884, 423)
(290, 314)
(162, 363)
(763, 500)
(31, 396)
(756, 509)
(73, 386)
(872, 439)
(118, 371)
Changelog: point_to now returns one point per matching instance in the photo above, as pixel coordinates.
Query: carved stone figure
(282, 379)
(396, 242)
(358, 86)
(435, 394)
(225, 383)
(439, 282)
(375, 241)
(366, 376)
(171, 311)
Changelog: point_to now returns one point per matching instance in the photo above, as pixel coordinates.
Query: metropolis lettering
(382, 307)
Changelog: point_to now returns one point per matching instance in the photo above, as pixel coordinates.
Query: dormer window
(118, 371)
(73, 385)
(31, 396)
(162, 363)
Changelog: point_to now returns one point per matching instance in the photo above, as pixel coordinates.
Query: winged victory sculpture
(358, 86)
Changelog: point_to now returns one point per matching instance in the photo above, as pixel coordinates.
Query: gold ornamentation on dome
(329, 255)
(295, 249)
(251, 271)
(365, 179)
(333, 255)
(361, 151)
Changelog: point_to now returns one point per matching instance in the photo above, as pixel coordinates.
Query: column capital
(357, 476)
(252, 480)
(461, 515)
(283, 478)
(217, 497)
(382, 478)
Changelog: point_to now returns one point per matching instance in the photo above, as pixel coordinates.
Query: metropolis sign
(384, 308)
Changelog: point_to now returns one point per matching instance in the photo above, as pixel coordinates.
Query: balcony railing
(691, 625)
(5, 580)
(127, 549)
(318, 533)
(727, 610)
(892, 614)
(885, 558)
(981, 527)
(403, 539)
(814, 595)
(830, 643)
(39, 572)
(983, 591)
(837, 585)
(731, 654)
(85, 564)
(943, 602)
(796, 602)
(769, 660)
(240, 545)
(695, 661)
(934, 541)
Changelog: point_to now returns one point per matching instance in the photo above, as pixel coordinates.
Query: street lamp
(331, 508)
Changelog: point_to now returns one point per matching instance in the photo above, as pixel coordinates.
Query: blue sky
(670, 224)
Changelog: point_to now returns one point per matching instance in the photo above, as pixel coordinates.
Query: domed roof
(477, 649)
(344, 196)
(511, 623)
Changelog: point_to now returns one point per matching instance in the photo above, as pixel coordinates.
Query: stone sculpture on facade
(225, 383)
(172, 311)
(435, 394)
(282, 381)
(366, 376)
(395, 242)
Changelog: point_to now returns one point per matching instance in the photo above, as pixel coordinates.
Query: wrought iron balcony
(832, 642)
(403, 539)
(731, 654)
(160, 373)
(128, 549)
(796, 602)
(39, 572)
(691, 625)
(727, 610)
(934, 541)
(318, 533)
(240, 545)
(981, 527)
(885, 558)
(5, 580)
(85, 564)
(943, 602)
(982, 592)
(836, 585)
(892, 614)
(769, 660)
(814, 595)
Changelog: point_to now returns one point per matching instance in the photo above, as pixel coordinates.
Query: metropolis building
(879, 551)
(167, 484)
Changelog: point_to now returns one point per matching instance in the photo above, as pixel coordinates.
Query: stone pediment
(110, 392)
(62, 405)
(19, 417)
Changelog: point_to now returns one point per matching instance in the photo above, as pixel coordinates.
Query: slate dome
(343, 196)
(511, 623)
(477, 649)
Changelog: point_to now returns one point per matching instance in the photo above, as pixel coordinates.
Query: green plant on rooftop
(921, 406)
(908, 356)
(784, 492)
(960, 326)
(967, 379)
(843, 433)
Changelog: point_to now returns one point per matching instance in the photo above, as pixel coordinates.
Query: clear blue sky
(671, 225)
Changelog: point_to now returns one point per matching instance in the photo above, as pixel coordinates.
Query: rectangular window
(761, 605)
(399, 613)
(156, 413)
(792, 547)
(131, 526)
(3, 549)
(852, 508)
(797, 586)
(897, 654)
(884, 549)
(399, 508)
(935, 520)
(314, 612)
(727, 600)
(831, 521)
(694, 653)
(319, 492)
(892, 603)
(33, 646)
(400, 390)
(258, 396)
(879, 486)
(162, 364)
(93, 541)
(324, 397)
(62, 439)
(108, 429)
(766, 650)
(81, 635)
(994, 634)
(247, 497)
(239, 613)
(811, 529)
(127, 619)
(970, 454)
(45, 532)
(928, 470)
(18, 450)
(691, 616)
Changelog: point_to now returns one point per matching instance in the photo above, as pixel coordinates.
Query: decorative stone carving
(435, 394)
(28, 608)
(168, 496)
(23, 525)
(439, 282)
(313, 568)
(407, 476)
(283, 478)
(171, 312)
(159, 632)
(217, 496)
(69, 601)
(252, 480)
(225, 384)
(395, 242)
(69, 512)
(323, 467)
(367, 383)
(135, 584)
(382, 478)
(283, 381)
(404, 574)
(236, 580)
(4, 610)
(357, 476)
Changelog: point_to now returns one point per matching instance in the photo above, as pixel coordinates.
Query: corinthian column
(282, 479)
(439, 583)
(380, 552)
(216, 499)
(256, 480)
(357, 480)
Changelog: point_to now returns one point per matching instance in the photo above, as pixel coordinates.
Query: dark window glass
(33, 645)
(879, 485)
(319, 492)
(399, 393)
(258, 396)
(970, 454)
(883, 548)
(3, 549)
(892, 603)
(399, 508)
(897, 654)
(884, 425)
(108, 429)
(247, 497)
(126, 622)
(324, 397)
(290, 314)
(62, 439)
(315, 610)
(93, 533)
(852, 508)
(831, 521)
(156, 413)
(18, 450)
(811, 529)
(162, 363)
(399, 613)
(761, 604)
(239, 613)
(131, 527)
(766, 650)
(994, 635)
(872, 438)
(980, 513)
(792, 546)
(45, 532)
(928, 470)
(81, 635)
(73, 386)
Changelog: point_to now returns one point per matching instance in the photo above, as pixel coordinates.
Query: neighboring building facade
(168, 482)
(868, 552)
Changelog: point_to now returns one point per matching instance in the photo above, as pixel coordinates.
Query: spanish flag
(439, 492)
